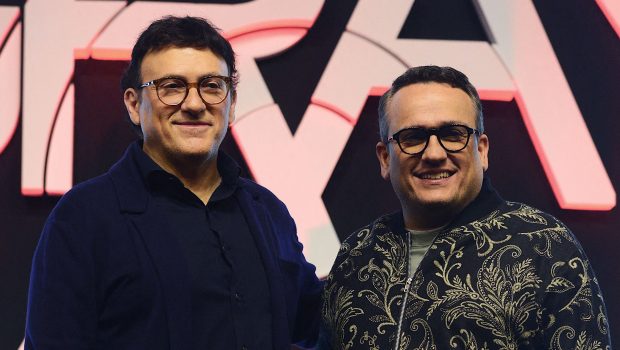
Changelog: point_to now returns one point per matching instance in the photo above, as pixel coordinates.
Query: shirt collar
(153, 174)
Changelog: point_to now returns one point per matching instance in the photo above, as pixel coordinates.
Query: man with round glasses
(171, 248)
(458, 267)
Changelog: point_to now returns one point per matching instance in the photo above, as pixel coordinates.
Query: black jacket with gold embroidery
(503, 275)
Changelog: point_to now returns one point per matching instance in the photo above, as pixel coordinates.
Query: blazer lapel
(164, 250)
(167, 257)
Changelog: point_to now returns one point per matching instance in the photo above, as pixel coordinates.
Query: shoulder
(91, 206)
(92, 195)
(103, 191)
(254, 188)
(531, 219)
(540, 231)
(381, 225)
(81, 215)
(514, 216)
(262, 201)
(260, 193)
(531, 230)
(360, 243)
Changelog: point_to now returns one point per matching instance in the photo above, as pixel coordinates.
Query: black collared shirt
(230, 296)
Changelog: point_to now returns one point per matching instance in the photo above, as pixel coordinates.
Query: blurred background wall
(311, 73)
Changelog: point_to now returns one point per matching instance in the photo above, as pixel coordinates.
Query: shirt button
(244, 348)
(238, 296)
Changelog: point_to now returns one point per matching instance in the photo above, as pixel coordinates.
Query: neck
(429, 218)
(423, 225)
(199, 175)
(201, 182)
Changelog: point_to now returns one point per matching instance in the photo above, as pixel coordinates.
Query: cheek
(402, 161)
(155, 117)
(401, 168)
(394, 165)
(474, 171)
(225, 115)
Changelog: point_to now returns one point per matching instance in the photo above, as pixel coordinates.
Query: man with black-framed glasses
(171, 248)
(458, 267)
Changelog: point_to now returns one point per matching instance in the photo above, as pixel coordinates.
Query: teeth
(436, 176)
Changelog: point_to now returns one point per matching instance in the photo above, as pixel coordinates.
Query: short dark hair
(180, 32)
(429, 74)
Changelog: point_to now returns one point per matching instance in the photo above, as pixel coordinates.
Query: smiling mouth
(192, 123)
(435, 176)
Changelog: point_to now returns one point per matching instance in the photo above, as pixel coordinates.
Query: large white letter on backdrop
(367, 58)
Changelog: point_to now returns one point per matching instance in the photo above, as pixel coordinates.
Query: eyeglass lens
(172, 91)
(453, 138)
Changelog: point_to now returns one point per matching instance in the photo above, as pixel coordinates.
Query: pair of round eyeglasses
(172, 91)
(453, 138)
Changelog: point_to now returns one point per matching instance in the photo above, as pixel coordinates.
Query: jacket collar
(130, 186)
(487, 200)
(132, 172)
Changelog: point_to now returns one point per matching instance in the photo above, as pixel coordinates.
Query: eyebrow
(181, 77)
(172, 76)
(447, 123)
(209, 75)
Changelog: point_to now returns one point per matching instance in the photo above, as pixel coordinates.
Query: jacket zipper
(408, 284)
(402, 313)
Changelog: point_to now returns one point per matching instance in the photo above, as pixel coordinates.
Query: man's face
(436, 181)
(191, 130)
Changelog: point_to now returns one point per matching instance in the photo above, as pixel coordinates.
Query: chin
(433, 201)
(436, 197)
(201, 153)
(197, 148)
(435, 204)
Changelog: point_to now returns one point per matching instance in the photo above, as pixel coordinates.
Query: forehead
(430, 105)
(185, 62)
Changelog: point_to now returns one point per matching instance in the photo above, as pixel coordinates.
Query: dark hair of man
(429, 74)
(179, 32)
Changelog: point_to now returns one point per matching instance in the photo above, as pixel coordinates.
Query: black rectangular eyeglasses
(453, 138)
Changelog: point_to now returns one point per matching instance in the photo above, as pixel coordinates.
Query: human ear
(483, 151)
(383, 154)
(132, 104)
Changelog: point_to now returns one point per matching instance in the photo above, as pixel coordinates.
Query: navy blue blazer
(108, 272)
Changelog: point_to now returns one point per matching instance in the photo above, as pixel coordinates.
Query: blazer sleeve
(62, 310)
(309, 306)
(309, 287)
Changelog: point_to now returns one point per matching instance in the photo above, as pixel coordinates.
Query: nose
(193, 103)
(434, 152)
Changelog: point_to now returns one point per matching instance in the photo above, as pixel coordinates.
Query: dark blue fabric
(230, 301)
(109, 273)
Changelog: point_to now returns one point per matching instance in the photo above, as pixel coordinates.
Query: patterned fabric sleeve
(573, 310)
(329, 309)
(336, 299)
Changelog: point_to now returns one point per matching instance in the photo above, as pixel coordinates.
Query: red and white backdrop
(311, 73)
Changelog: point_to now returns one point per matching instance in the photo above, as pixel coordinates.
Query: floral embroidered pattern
(516, 278)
